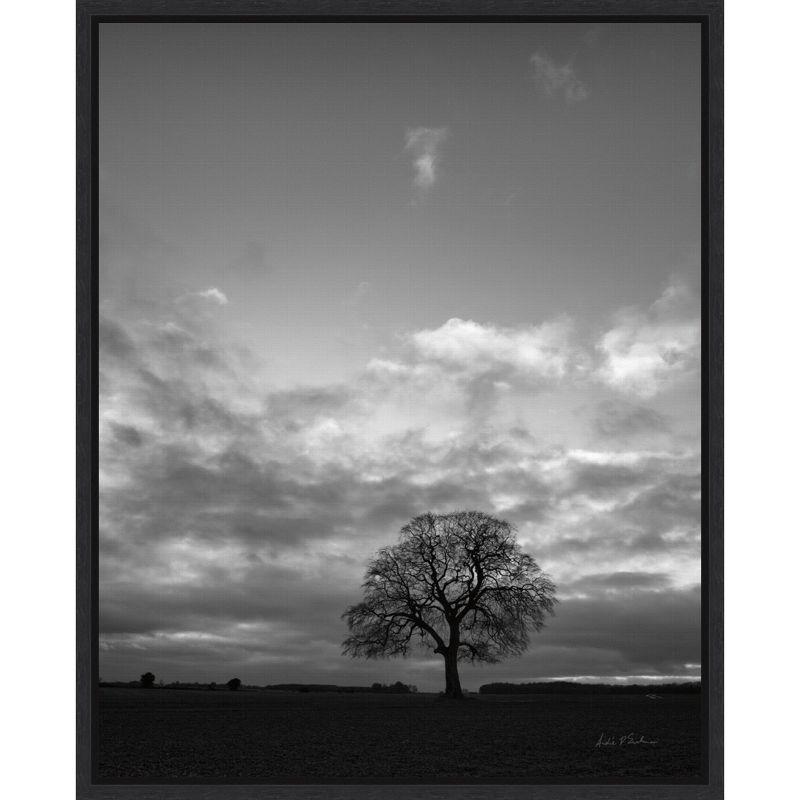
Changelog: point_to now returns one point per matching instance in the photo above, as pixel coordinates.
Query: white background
(762, 476)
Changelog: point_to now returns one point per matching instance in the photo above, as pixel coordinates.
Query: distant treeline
(572, 687)
(394, 688)
(176, 685)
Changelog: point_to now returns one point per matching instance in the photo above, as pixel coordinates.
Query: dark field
(162, 733)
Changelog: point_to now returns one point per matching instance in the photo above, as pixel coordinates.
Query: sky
(353, 272)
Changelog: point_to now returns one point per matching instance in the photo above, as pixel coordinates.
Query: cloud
(619, 583)
(616, 419)
(644, 353)
(127, 434)
(425, 145)
(551, 79)
(236, 519)
(650, 629)
(214, 295)
(545, 351)
(648, 351)
(638, 630)
(474, 365)
(114, 340)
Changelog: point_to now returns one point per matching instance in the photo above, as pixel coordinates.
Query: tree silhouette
(457, 584)
(147, 680)
(233, 684)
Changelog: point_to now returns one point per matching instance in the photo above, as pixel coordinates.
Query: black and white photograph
(401, 417)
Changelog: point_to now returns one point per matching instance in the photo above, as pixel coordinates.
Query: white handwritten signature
(607, 740)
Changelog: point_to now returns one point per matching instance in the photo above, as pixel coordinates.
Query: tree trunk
(452, 682)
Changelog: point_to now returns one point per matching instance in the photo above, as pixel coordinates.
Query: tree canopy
(456, 583)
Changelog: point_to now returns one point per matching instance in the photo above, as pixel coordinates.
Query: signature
(607, 740)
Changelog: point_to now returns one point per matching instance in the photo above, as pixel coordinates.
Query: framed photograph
(399, 399)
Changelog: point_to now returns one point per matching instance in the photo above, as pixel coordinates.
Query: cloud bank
(236, 519)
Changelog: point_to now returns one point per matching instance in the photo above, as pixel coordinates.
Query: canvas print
(400, 402)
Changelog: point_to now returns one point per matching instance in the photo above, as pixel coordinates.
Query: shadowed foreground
(161, 733)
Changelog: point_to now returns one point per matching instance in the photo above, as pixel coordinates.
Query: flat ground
(162, 733)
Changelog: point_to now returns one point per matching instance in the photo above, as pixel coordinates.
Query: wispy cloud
(425, 145)
(214, 295)
(553, 80)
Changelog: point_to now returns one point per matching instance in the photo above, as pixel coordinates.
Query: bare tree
(457, 584)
